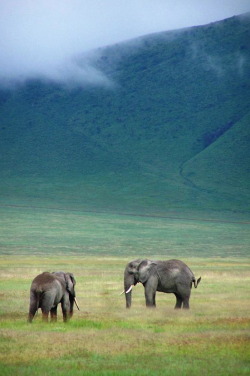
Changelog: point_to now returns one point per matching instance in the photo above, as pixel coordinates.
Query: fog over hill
(161, 123)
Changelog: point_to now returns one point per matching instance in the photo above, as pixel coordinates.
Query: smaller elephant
(172, 276)
(48, 290)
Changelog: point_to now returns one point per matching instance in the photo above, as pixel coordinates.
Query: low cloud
(45, 38)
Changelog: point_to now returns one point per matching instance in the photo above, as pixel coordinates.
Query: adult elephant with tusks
(48, 290)
(172, 276)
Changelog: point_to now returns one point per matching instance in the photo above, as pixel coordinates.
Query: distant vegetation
(171, 131)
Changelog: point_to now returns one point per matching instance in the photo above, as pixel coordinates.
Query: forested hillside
(168, 129)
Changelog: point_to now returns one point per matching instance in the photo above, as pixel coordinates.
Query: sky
(43, 38)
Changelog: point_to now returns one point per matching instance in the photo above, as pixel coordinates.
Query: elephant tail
(38, 296)
(34, 305)
(196, 281)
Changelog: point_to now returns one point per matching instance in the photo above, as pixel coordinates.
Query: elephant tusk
(129, 289)
(76, 304)
(122, 292)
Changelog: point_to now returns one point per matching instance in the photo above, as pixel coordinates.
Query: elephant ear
(145, 270)
(70, 283)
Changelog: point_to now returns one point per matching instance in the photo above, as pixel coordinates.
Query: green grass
(104, 338)
(44, 231)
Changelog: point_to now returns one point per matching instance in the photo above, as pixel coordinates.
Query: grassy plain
(104, 338)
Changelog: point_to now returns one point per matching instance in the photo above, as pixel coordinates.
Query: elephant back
(43, 281)
(175, 271)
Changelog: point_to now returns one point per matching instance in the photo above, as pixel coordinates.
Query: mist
(44, 39)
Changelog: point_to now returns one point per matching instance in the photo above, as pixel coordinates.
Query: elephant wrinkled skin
(172, 276)
(48, 290)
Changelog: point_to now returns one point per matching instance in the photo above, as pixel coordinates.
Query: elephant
(48, 290)
(172, 276)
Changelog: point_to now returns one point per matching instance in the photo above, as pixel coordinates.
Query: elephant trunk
(129, 281)
(71, 303)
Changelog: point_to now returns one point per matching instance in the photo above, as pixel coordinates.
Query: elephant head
(70, 283)
(145, 270)
(70, 287)
(130, 279)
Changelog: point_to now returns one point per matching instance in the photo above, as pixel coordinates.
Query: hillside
(170, 131)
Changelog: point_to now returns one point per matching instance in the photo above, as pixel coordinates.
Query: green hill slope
(170, 132)
(216, 169)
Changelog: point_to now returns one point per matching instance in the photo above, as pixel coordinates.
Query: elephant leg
(184, 293)
(186, 302)
(53, 314)
(150, 293)
(178, 302)
(46, 304)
